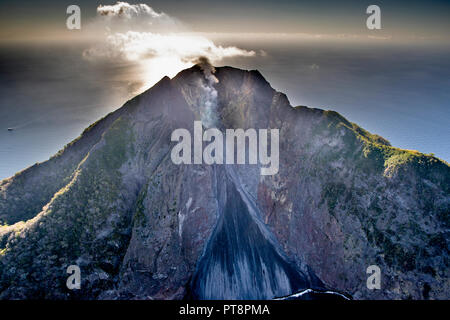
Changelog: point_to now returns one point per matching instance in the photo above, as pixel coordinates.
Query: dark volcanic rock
(242, 259)
(141, 227)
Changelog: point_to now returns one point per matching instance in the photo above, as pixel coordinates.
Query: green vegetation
(379, 151)
(362, 193)
(118, 141)
(84, 218)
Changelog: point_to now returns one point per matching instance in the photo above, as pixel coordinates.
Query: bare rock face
(141, 227)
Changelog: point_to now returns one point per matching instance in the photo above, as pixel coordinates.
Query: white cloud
(123, 17)
(126, 10)
(157, 42)
(135, 46)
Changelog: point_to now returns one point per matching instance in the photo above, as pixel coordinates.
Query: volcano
(141, 227)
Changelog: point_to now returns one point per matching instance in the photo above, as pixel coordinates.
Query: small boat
(10, 129)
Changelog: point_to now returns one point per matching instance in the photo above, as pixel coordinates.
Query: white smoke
(156, 42)
(136, 46)
(208, 104)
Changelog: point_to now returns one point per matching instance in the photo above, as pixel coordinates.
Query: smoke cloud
(208, 103)
(156, 42)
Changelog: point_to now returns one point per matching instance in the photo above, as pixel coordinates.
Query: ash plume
(157, 43)
(208, 101)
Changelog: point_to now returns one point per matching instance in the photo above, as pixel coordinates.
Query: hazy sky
(408, 18)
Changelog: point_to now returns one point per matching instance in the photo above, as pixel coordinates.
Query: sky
(26, 18)
(55, 82)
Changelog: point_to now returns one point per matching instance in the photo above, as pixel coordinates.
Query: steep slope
(242, 259)
(142, 227)
(23, 195)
